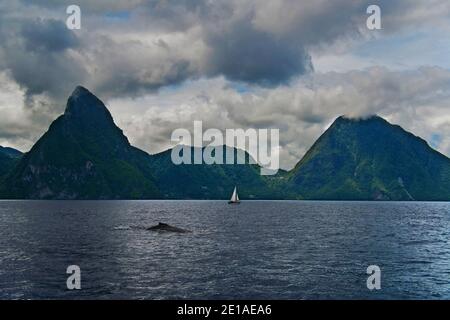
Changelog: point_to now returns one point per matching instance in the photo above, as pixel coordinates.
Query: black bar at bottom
(223, 309)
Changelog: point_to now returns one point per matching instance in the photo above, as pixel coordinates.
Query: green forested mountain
(83, 155)
(201, 181)
(370, 159)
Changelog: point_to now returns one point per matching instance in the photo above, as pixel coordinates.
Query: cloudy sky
(289, 64)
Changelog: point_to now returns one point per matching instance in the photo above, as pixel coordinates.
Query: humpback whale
(168, 228)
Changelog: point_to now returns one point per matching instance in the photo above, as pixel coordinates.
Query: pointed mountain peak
(81, 94)
(87, 115)
(84, 104)
(80, 90)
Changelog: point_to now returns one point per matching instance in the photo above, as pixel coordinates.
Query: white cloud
(415, 99)
(20, 126)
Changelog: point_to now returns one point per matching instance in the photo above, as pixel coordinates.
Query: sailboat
(234, 198)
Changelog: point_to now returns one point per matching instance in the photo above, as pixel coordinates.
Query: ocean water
(256, 250)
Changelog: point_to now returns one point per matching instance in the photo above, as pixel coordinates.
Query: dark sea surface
(256, 250)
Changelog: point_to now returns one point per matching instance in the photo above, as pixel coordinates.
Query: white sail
(234, 197)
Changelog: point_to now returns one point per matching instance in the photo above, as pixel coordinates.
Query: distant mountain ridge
(84, 155)
(210, 181)
(11, 152)
(8, 159)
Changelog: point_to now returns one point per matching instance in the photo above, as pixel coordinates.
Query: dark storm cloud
(236, 50)
(155, 43)
(244, 54)
(48, 35)
(36, 54)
